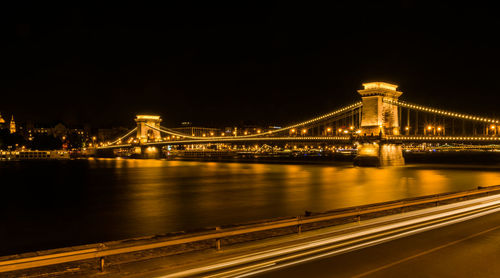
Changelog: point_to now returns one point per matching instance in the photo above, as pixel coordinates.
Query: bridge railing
(100, 251)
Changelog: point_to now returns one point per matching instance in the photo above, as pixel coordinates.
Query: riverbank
(111, 257)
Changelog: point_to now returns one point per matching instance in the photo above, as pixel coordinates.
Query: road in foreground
(465, 249)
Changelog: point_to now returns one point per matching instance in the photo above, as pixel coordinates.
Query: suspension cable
(124, 136)
(441, 112)
(317, 119)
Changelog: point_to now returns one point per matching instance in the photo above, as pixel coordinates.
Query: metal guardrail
(101, 251)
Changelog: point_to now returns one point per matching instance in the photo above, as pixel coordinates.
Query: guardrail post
(217, 241)
(101, 264)
(299, 226)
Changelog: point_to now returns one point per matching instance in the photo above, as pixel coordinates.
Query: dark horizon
(228, 64)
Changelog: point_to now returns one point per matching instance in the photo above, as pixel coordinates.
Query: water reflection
(107, 199)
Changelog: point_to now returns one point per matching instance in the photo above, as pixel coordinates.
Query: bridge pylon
(144, 132)
(379, 117)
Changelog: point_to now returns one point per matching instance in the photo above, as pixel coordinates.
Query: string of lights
(441, 112)
(322, 117)
(123, 137)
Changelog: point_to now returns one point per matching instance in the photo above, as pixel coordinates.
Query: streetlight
(304, 131)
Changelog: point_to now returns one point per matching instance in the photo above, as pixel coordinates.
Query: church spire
(12, 125)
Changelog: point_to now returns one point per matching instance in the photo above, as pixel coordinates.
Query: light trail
(485, 203)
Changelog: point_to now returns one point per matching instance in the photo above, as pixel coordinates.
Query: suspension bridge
(378, 124)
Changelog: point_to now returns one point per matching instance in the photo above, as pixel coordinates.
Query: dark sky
(232, 63)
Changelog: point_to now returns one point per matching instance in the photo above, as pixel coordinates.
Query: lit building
(12, 125)
(2, 122)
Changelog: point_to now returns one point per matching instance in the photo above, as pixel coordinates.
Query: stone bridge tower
(145, 133)
(379, 117)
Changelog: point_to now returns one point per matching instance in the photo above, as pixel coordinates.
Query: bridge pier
(148, 152)
(379, 154)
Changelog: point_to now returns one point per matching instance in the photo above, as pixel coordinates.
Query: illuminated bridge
(378, 125)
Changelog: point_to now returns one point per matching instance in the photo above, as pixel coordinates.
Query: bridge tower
(379, 117)
(144, 132)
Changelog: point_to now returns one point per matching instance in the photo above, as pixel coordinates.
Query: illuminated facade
(2, 122)
(379, 115)
(12, 125)
(144, 132)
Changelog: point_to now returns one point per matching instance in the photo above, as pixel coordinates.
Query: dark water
(50, 204)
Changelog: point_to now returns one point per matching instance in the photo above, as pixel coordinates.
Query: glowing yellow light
(147, 117)
(439, 128)
(340, 130)
(258, 130)
(407, 128)
(351, 127)
(492, 126)
(292, 130)
(304, 130)
(383, 85)
(429, 127)
(328, 129)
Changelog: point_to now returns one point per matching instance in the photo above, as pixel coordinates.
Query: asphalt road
(466, 249)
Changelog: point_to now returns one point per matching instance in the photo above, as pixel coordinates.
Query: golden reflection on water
(160, 195)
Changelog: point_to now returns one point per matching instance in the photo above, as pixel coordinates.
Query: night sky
(221, 64)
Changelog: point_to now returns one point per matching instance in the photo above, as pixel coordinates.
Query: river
(50, 204)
